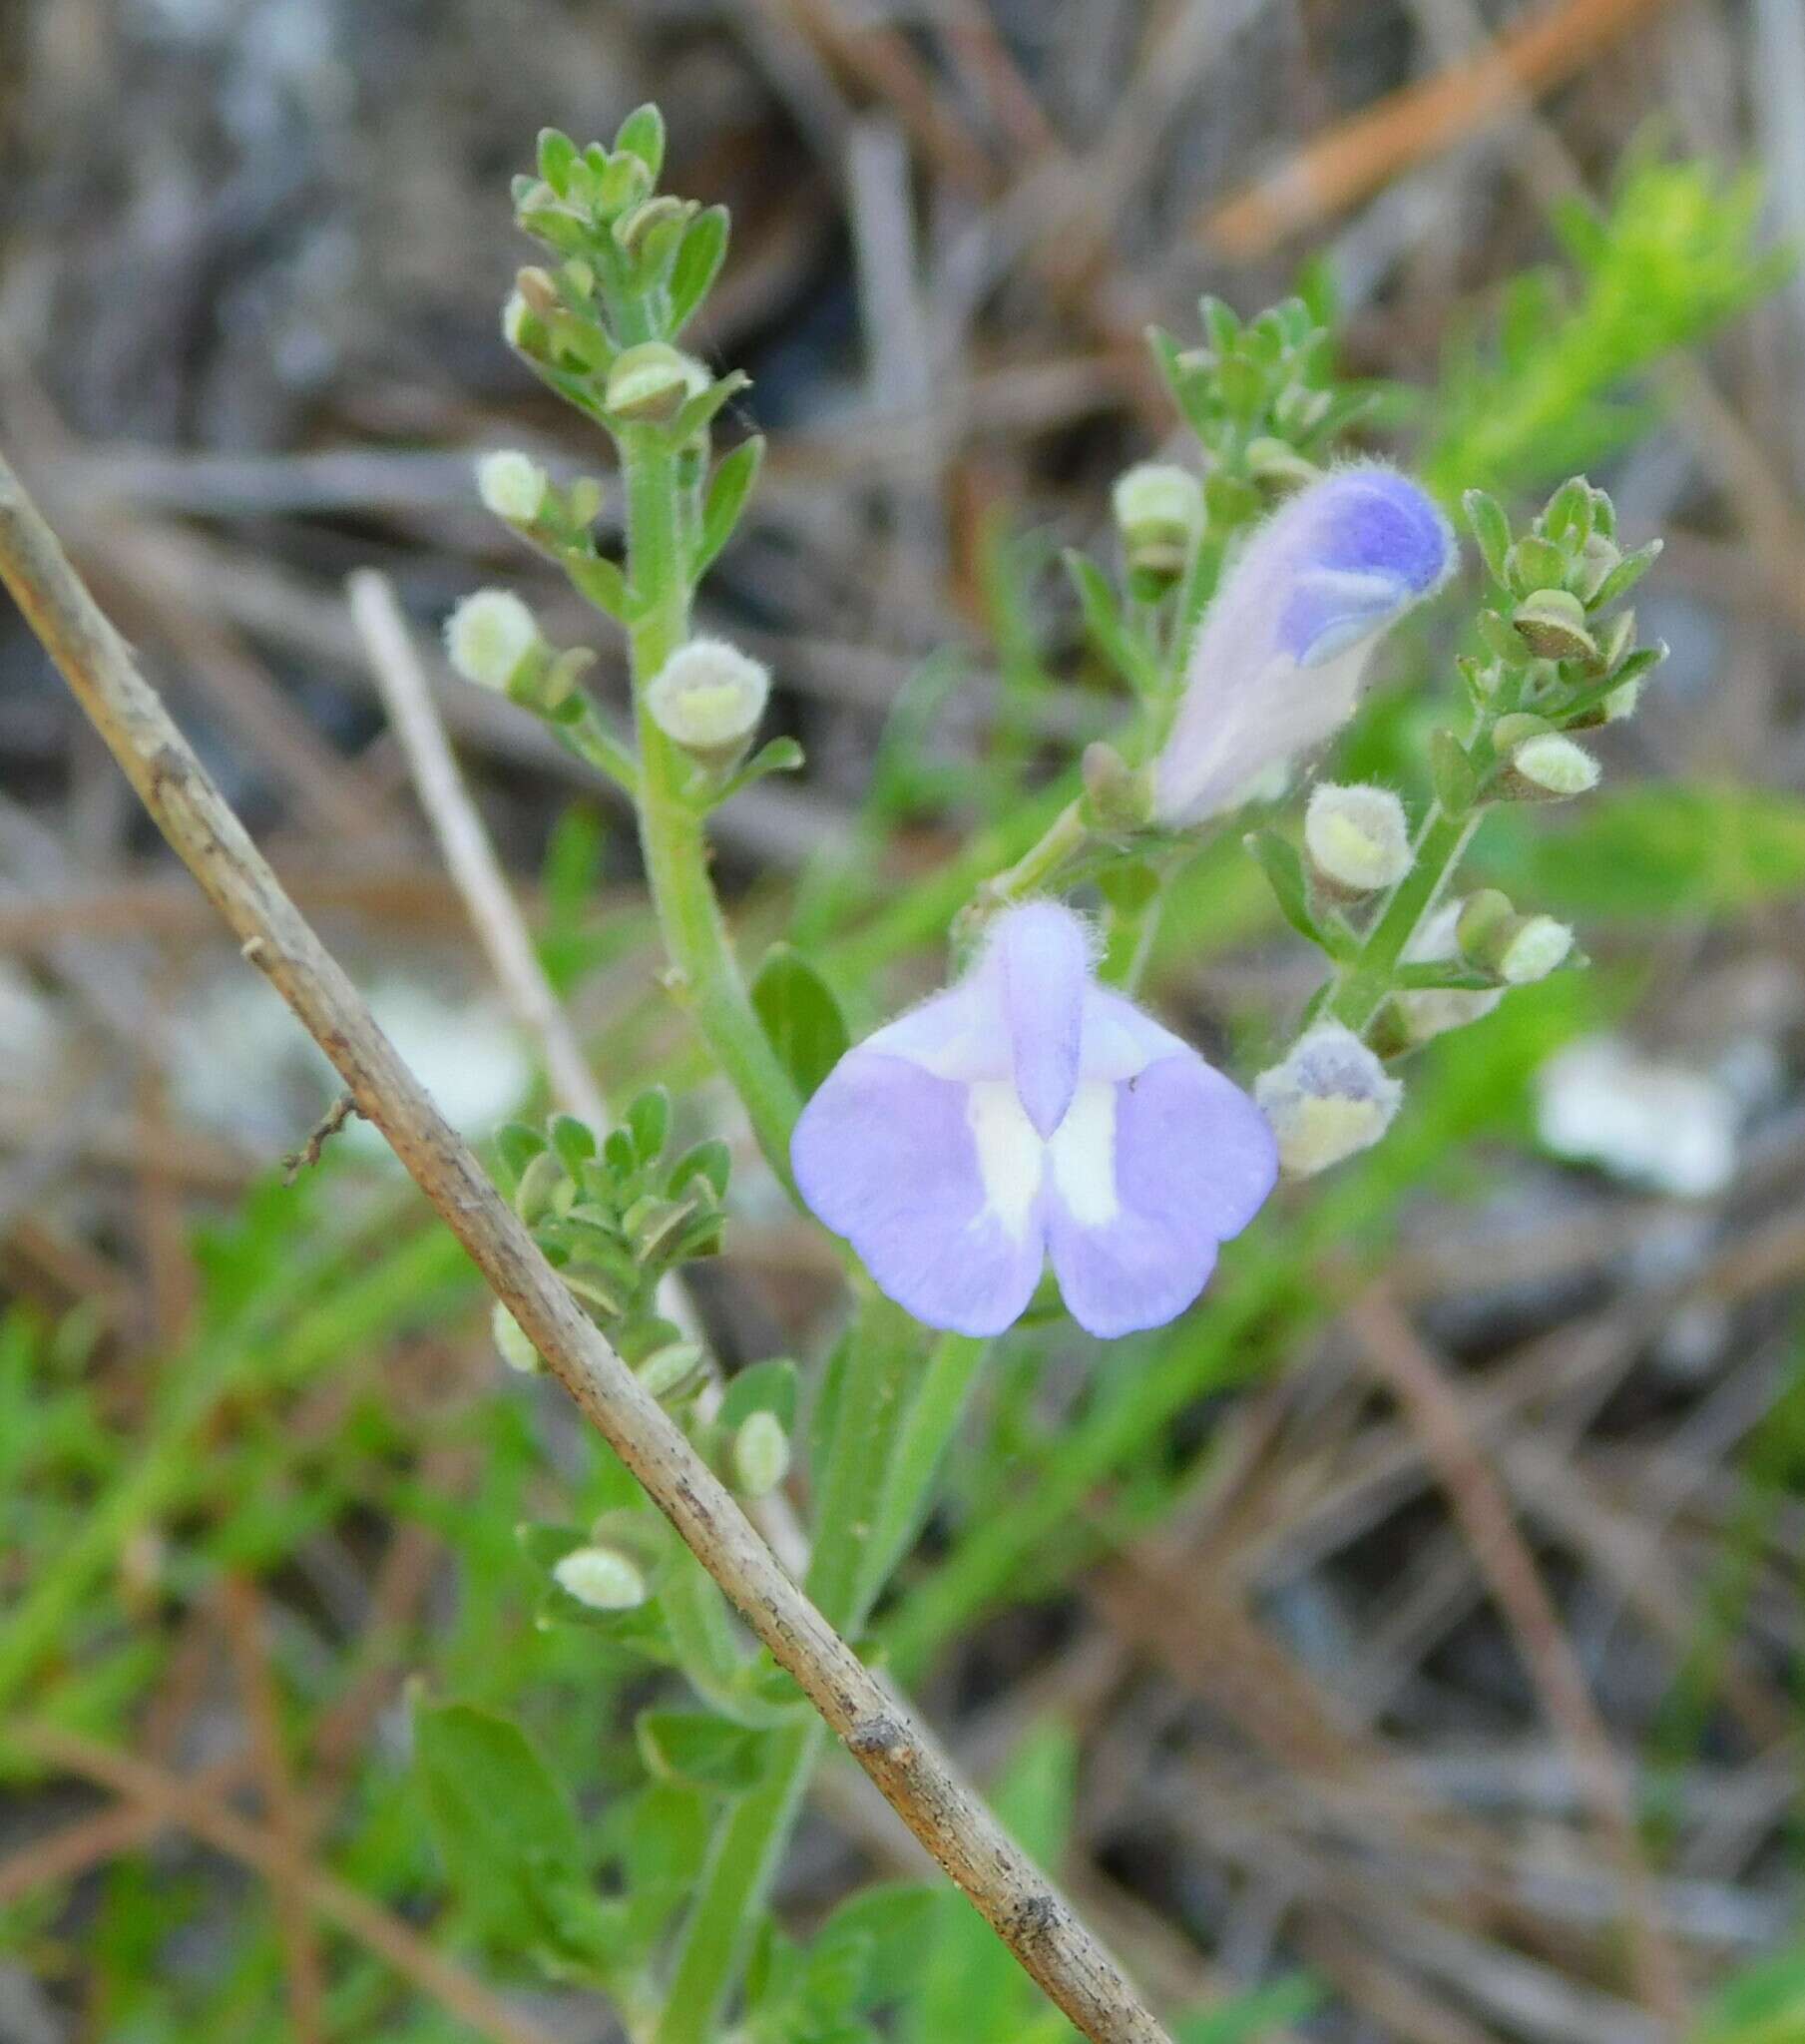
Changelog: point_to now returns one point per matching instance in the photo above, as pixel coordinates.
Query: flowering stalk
(671, 832)
(1555, 658)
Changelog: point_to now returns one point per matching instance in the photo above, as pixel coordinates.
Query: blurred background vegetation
(1262, 1629)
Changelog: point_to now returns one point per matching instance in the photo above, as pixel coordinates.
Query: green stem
(934, 1416)
(742, 1862)
(592, 742)
(846, 1566)
(1367, 980)
(845, 1574)
(670, 829)
(1059, 842)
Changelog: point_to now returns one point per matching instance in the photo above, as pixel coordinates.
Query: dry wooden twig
(468, 853)
(1416, 123)
(1022, 1907)
(1435, 1409)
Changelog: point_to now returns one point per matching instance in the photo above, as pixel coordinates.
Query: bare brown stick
(1435, 1409)
(314, 1148)
(1417, 122)
(897, 1752)
(197, 1810)
(470, 857)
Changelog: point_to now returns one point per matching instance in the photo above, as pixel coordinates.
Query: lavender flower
(1278, 660)
(1030, 1113)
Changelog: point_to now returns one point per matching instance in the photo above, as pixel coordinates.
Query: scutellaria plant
(1031, 1138)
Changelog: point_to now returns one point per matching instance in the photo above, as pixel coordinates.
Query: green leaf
(600, 581)
(711, 1160)
(704, 406)
(574, 1141)
(1491, 530)
(888, 1922)
(1279, 861)
(1450, 769)
(1101, 613)
(556, 154)
(516, 1145)
(1627, 574)
(699, 1749)
(648, 1123)
(699, 261)
(1251, 2017)
(775, 755)
(729, 488)
(768, 1386)
(1660, 851)
(800, 1016)
(642, 134)
(500, 1821)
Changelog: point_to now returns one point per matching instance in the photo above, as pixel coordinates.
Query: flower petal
(1043, 960)
(888, 1155)
(1278, 659)
(1148, 1174)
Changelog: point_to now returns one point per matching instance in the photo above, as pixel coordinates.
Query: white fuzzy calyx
(1328, 1099)
(1358, 837)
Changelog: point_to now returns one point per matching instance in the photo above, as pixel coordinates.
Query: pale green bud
(761, 1455)
(1551, 768)
(602, 1578)
(709, 698)
(675, 1367)
(1552, 623)
(490, 636)
(1533, 949)
(1622, 701)
(1329, 1098)
(651, 383)
(512, 485)
(511, 1342)
(1120, 797)
(1357, 838)
(1432, 1011)
(1159, 514)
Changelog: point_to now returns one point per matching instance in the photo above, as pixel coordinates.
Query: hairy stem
(672, 835)
(1365, 983)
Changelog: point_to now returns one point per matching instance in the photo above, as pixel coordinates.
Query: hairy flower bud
(651, 383)
(1357, 838)
(1552, 623)
(1622, 701)
(760, 1454)
(510, 1342)
(1277, 663)
(490, 636)
(1432, 1011)
(1329, 1098)
(1550, 768)
(1533, 949)
(512, 485)
(1159, 514)
(520, 323)
(672, 1370)
(1118, 796)
(601, 1577)
(709, 698)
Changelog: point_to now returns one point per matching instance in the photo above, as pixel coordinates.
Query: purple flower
(1030, 1113)
(1277, 663)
